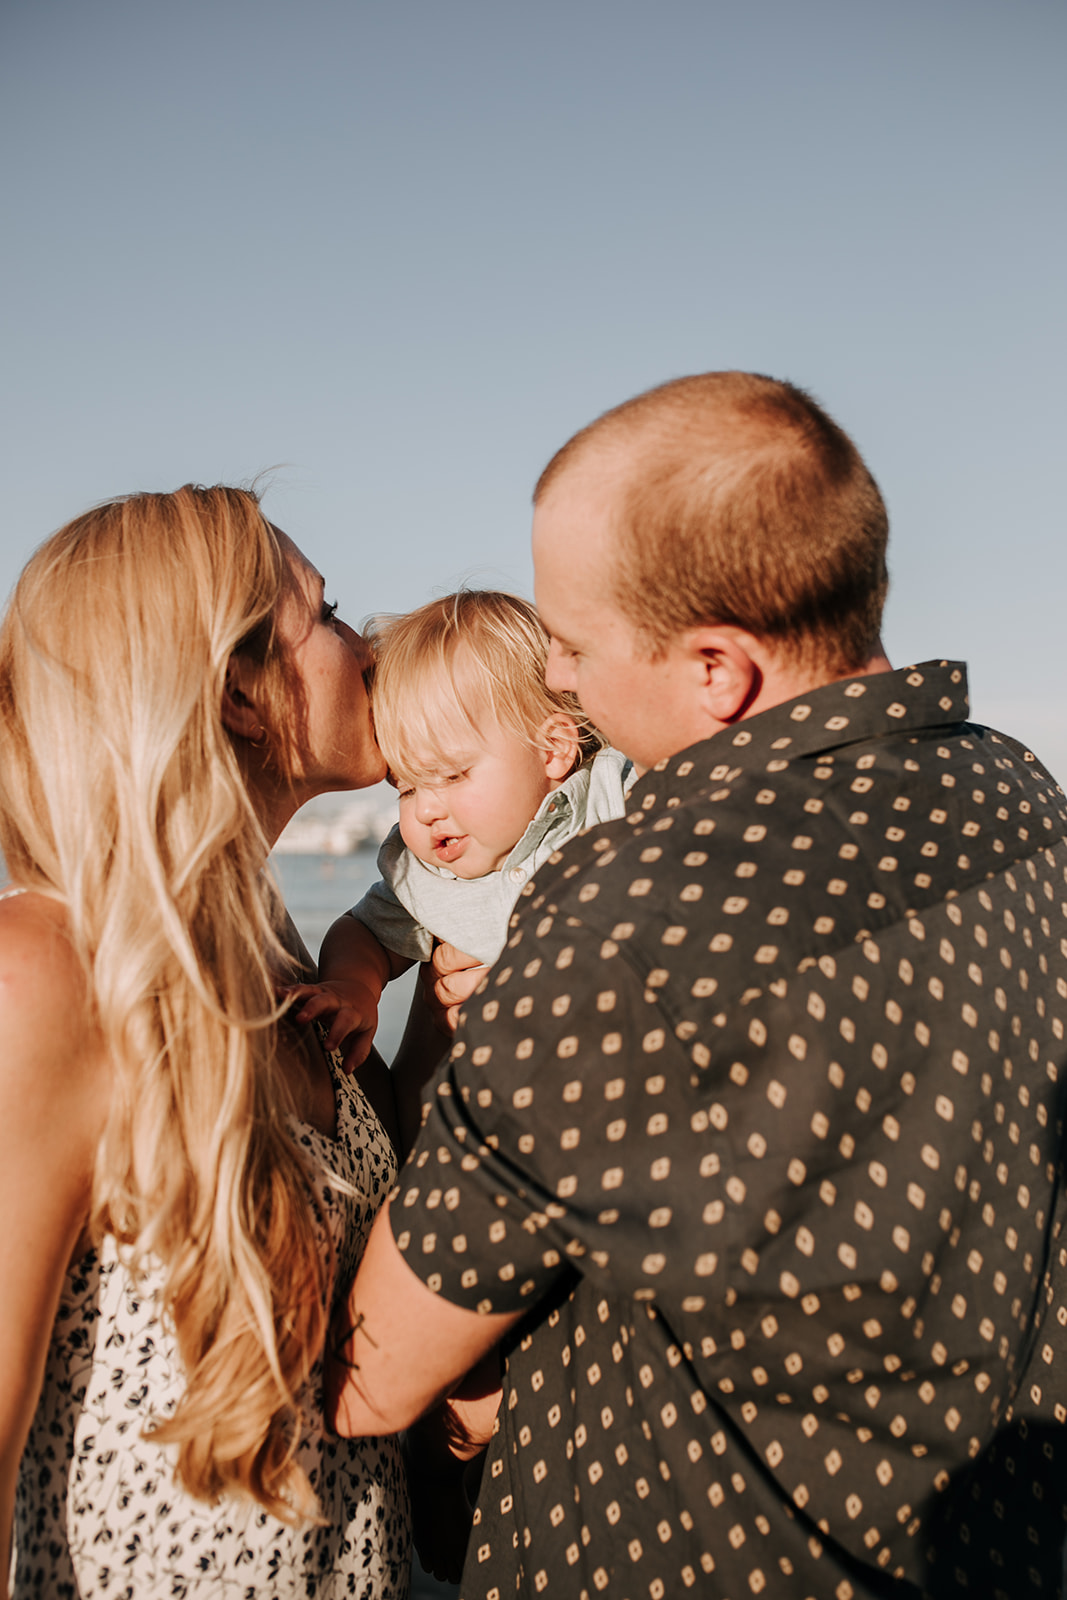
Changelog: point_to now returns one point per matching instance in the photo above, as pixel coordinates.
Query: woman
(185, 1180)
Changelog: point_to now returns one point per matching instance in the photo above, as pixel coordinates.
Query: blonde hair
(442, 671)
(741, 501)
(122, 797)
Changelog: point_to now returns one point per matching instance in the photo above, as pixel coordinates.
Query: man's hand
(352, 1008)
(448, 980)
(445, 1452)
(469, 1412)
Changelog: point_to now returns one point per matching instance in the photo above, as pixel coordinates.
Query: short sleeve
(545, 1146)
(470, 1226)
(391, 923)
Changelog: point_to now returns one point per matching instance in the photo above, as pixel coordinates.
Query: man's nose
(558, 673)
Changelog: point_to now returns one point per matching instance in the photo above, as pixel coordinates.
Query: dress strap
(9, 894)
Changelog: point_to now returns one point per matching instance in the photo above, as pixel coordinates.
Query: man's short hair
(741, 501)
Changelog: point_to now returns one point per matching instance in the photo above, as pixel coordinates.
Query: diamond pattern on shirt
(760, 1111)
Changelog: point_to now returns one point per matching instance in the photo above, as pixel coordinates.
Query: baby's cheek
(414, 835)
(408, 826)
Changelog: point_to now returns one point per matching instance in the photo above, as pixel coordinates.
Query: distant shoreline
(340, 824)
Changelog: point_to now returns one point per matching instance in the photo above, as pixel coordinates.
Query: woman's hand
(448, 980)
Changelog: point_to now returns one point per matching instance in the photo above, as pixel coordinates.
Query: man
(749, 1146)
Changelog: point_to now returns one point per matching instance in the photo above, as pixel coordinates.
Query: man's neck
(780, 679)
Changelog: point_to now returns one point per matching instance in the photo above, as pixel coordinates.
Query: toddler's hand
(351, 1008)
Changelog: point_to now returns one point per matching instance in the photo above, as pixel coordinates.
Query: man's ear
(239, 714)
(559, 740)
(729, 671)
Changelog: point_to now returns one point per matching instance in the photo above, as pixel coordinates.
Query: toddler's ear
(559, 739)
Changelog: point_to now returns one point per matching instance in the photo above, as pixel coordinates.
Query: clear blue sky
(404, 248)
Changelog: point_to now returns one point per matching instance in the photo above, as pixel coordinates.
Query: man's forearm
(401, 1348)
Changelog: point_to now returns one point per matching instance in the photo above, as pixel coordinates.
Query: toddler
(494, 772)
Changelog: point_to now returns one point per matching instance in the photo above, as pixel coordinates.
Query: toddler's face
(473, 812)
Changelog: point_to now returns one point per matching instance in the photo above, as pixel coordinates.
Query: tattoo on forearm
(357, 1327)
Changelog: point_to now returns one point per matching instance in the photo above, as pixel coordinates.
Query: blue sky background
(403, 249)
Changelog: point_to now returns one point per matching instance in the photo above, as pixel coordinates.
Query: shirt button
(517, 875)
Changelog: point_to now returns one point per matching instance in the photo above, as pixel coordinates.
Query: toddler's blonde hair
(443, 670)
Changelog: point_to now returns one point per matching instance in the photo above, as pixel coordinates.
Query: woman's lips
(450, 847)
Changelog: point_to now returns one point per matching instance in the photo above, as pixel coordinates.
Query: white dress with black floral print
(98, 1512)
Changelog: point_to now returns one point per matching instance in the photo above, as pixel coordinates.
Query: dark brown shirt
(759, 1114)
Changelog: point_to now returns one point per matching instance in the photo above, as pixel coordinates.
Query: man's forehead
(574, 538)
(595, 480)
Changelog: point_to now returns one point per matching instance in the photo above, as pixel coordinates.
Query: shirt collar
(553, 815)
(848, 711)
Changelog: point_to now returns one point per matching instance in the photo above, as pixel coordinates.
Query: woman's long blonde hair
(122, 797)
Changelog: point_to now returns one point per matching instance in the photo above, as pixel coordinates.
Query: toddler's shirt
(416, 901)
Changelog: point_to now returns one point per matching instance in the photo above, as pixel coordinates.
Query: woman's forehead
(308, 576)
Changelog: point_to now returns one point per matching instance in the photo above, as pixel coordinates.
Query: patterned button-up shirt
(760, 1115)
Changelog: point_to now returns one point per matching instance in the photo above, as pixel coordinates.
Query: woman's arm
(53, 1100)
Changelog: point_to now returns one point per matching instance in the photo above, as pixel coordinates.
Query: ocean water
(319, 888)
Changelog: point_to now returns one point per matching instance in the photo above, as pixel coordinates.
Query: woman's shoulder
(53, 1077)
(43, 986)
(35, 927)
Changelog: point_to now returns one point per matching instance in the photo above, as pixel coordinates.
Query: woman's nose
(359, 646)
